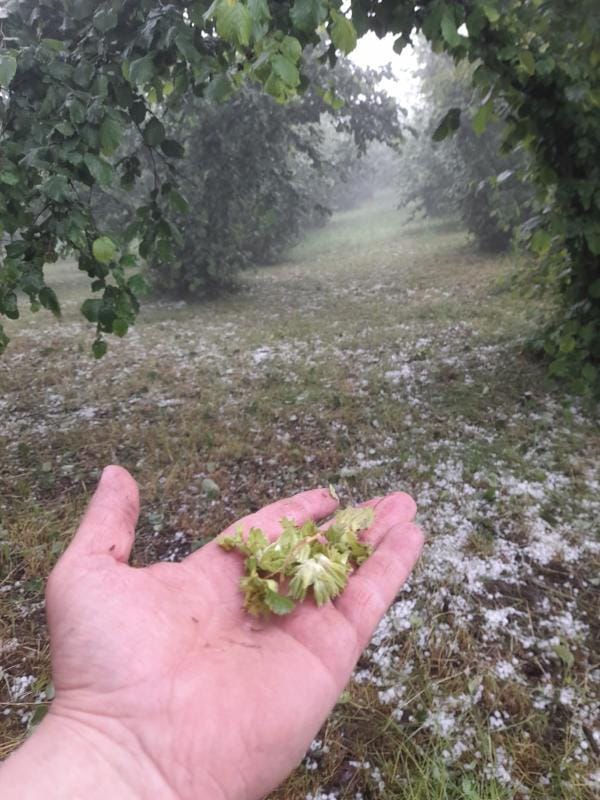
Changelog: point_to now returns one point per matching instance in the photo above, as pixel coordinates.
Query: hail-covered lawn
(379, 357)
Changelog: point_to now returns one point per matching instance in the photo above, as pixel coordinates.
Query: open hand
(163, 664)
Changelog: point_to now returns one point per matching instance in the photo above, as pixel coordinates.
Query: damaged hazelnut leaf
(304, 561)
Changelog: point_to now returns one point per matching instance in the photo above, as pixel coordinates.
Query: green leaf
(310, 560)
(278, 603)
(4, 340)
(56, 188)
(329, 98)
(120, 326)
(286, 70)
(272, 558)
(567, 344)
(355, 519)
(16, 249)
(326, 574)
(291, 48)
(275, 87)
(449, 31)
(592, 238)
(475, 23)
(594, 290)
(449, 124)
(527, 61)
(343, 34)
(565, 655)
(219, 89)
(138, 111)
(54, 44)
(259, 10)
(66, 129)
(255, 588)
(234, 542)
(49, 300)
(99, 169)
(163, 249)
(256, 540)
(141, 71)
(137, 284)
(399, 45)
(541, 241)
(104, 249)
(234, 22)
(307, 15)
(482, 116)
(99, 348)
(76, 111)
(9, 305)
(83, 74)
(172, 148)
(544, 66)
(154, 132)
(179, 202)
(8, 68)
(91, 309)
(196, 13)
(105, 19)
(185, 44)
(9, 178)
(110, 135)
(490, 11)
(484, 77)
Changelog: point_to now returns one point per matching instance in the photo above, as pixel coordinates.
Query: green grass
(382, 355)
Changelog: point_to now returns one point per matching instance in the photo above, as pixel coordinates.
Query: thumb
(108, 526)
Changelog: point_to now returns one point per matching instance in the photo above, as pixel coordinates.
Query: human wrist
(69, 757)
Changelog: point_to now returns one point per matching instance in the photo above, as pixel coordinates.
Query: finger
(313, 505)
(389, 510)
(372, 589)
(108, 526)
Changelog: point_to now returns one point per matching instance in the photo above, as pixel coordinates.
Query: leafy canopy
(465, 173)
(75, 74)
(258, 172)
(86, 91)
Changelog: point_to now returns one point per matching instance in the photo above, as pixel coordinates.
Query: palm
(168, 652)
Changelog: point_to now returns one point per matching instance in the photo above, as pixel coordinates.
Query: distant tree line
(254, 174)
(465, 174)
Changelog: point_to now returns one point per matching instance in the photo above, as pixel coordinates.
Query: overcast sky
(373, 52)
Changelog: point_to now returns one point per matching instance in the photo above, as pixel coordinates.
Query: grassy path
(378, 357)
